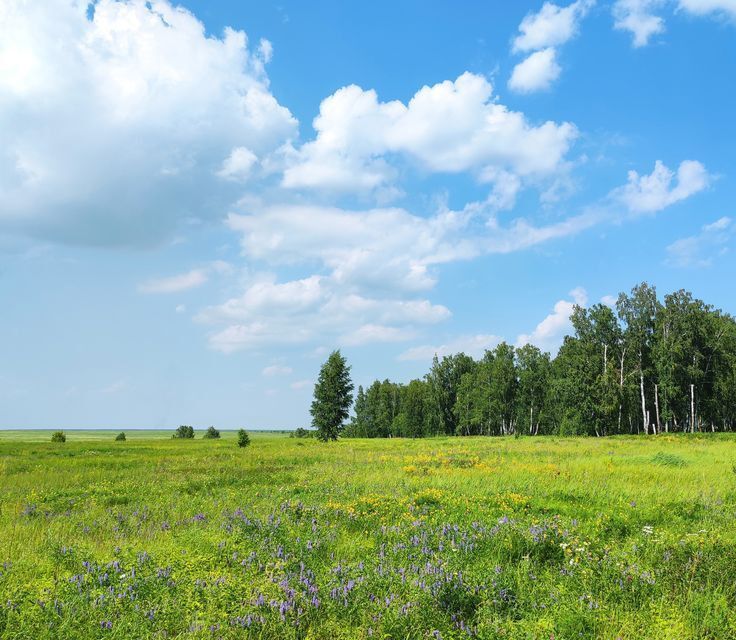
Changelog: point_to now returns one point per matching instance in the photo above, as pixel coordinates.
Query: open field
(440, 538)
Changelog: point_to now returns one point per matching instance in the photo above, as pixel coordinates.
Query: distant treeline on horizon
(647, 366)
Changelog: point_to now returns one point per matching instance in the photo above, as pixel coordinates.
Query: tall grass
(441, 538)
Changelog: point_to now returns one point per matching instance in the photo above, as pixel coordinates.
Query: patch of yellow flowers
(512, 501)
(454, 461)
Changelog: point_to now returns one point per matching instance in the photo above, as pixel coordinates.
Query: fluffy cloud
(238, 165)
(368, 267)
(473, 345)
(653, 192)
(541, 33)
(378, 247)
(549, 333)
(300, 311)
(535, 73)
(450, 127)
(642, 19)
(389, 248)
(551, 26)
(638, 17)
(700, 250)
(119, 124)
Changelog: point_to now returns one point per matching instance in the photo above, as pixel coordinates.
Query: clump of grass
(668, 459)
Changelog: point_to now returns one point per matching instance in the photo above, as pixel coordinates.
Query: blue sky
(198, 201)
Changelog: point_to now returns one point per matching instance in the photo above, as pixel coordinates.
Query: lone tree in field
(58, 436)
(120, 437)
(243, 438)
(333, 397)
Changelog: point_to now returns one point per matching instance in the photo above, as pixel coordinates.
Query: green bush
(184, 431)
(211, 433)
(120, 437)
(243, 438)
(58, 436)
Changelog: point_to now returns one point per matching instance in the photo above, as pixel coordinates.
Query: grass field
(441, 538)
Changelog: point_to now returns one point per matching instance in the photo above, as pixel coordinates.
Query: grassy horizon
(102, 434)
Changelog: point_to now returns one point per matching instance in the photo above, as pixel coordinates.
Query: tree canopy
(646, 366)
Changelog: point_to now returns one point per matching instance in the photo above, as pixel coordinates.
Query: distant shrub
(184, 431)
(243, 438)
(299, 432)
(58, 436)
(211, 433)
(120, 437)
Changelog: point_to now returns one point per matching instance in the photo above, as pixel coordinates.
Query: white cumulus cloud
(451, 127)
(548, 334)
(552, 25)
(639, 17)
(537, 72)
(116, 124)
(662, 187)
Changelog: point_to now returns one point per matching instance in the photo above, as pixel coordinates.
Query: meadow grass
(626, 537)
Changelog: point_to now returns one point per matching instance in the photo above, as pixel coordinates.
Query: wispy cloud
(184, 281)
(276, 370)
(702, 249)
(472, 345)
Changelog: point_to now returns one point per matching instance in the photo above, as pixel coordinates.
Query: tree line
(647, 366)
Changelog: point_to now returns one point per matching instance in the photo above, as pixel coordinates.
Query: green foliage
(243, 438)
(211, 434)
(444, 380)
(184, 431)
(333, 396)
(120, 437)
(646, 367)
(58, 436)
